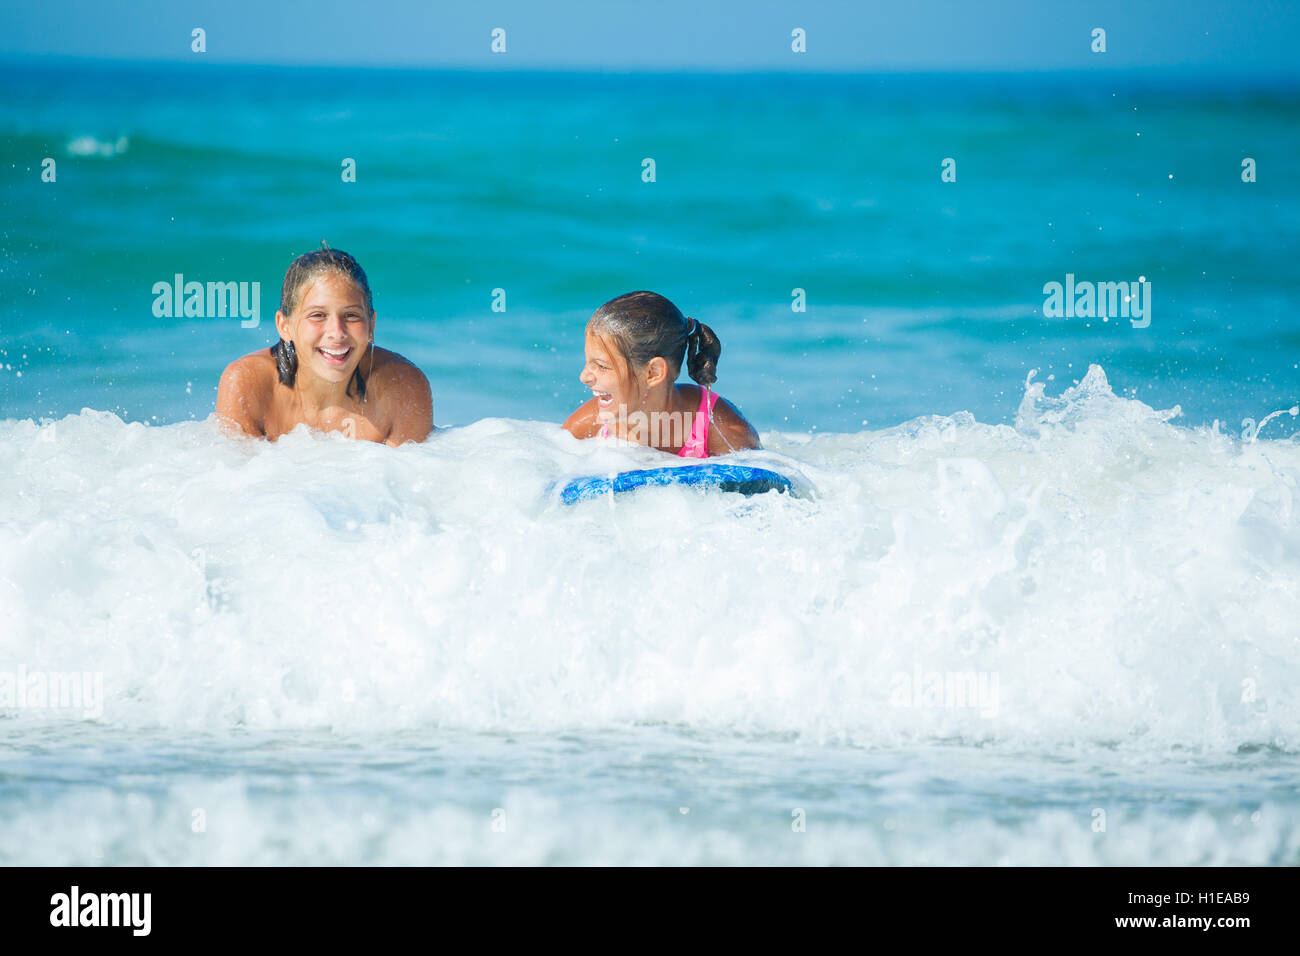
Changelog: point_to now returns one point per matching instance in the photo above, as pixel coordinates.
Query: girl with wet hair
(636, 346)
(305, 270)
(326, 372)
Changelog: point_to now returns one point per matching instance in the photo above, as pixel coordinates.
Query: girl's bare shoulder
(732, 428)
(384, 369)
(244, 392)
(251, 375)
(582, 423)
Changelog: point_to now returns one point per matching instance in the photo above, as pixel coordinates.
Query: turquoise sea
(1039, 602)
(923, 297)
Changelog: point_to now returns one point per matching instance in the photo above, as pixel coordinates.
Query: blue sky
(1255, 36)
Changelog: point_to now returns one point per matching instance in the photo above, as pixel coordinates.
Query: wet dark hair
(645, 325)
(307, 268)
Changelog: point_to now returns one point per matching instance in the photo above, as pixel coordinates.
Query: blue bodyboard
(736, 478)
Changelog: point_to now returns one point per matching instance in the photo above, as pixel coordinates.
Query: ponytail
(702, 352)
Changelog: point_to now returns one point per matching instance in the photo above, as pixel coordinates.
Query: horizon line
(1215, 71)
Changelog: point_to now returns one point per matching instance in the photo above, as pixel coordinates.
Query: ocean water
(1037, 601)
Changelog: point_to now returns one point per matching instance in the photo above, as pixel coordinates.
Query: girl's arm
(405, 391)
(240, 397)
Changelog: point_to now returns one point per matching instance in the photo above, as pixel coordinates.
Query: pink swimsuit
(697, 443)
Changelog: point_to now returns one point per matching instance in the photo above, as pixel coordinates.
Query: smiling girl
(325, 371)
(635, 347)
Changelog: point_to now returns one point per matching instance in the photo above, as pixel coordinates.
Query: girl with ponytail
(635, 348)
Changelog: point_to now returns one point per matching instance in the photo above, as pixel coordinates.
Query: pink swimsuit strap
(697, 443)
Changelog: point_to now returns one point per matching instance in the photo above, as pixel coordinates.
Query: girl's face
(330, 329)
(606, 375)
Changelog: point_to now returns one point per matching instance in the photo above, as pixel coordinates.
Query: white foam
(242, 825)
(91, 146)
(1123, 580)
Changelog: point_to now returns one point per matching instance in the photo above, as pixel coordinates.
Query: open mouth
(335, 357)
(603, 399)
